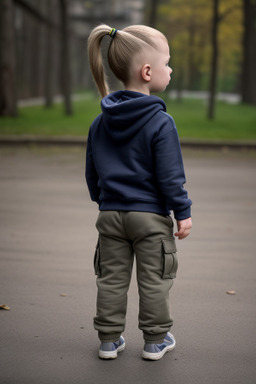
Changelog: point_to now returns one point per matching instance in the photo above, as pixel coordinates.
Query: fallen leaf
(5, 307)
(231, 292)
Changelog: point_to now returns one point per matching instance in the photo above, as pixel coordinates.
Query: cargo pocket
(170, 261)
(96, 261)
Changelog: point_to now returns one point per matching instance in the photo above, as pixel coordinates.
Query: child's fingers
(184, 227)
(182, 233)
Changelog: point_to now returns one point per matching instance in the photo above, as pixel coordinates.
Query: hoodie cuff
(182, 215)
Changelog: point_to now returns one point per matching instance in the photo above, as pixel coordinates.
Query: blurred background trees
(43, 45)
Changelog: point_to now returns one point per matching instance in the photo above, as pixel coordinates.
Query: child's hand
(184, 227)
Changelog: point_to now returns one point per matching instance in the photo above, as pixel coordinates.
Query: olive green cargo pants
(150, 238)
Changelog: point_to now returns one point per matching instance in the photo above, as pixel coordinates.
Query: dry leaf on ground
(5, 307)
(231, 292)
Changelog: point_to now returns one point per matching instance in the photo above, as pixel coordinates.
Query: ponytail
(95, 57)
(125, 44)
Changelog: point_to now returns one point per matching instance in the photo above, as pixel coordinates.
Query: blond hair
(124, 45)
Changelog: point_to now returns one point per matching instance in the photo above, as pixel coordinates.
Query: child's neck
(142, 89)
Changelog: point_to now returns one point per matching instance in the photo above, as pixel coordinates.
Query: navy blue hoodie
(133, 158)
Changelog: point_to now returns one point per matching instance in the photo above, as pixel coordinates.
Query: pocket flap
(170, 261)
(169, 246)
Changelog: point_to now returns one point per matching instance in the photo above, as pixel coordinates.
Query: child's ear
(146, 72)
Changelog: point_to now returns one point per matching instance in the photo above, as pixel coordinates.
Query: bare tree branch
(228, 11)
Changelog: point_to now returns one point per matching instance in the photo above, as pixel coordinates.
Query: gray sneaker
(156, 351)
(109, 350)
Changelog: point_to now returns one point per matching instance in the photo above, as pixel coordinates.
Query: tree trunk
(8, 99)
(249, 54)
(214, 61)
(65, 58)
(153, 13)
(49, 59)
(35, 39)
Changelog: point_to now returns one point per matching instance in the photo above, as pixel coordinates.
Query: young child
(134, 171)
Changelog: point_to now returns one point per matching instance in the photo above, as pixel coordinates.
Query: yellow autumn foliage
(188, 25)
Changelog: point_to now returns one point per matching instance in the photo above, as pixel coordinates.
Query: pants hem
(109, 337)
(154, 339)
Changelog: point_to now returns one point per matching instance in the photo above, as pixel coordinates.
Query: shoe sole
(111, 354)
(158, 355)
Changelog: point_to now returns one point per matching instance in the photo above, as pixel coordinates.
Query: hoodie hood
(125, 112)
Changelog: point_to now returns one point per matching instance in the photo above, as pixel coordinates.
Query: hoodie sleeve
(90, 173)
(169, 168)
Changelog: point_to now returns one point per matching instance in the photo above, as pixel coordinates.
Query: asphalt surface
(47, 241)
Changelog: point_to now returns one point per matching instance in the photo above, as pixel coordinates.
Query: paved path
(47, 241)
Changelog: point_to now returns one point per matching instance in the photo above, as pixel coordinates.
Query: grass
(231, 121)
(37, 120)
